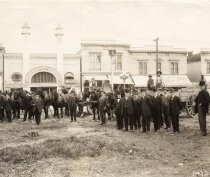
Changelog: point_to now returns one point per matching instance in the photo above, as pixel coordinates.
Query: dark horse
(57, 101)
(46, 101)
(18, 99)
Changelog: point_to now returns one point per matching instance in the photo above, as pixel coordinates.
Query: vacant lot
(87, 149)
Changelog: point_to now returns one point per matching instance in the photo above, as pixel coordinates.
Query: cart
(187, 96)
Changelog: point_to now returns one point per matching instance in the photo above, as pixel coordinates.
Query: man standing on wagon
(201, 107)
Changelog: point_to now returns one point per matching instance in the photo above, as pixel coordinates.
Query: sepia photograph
(104, 88)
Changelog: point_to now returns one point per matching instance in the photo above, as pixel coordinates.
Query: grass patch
(72, 147)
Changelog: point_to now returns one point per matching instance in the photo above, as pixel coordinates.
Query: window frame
(144, 67)
(14, 79)
(93, 64)
(174, 67)
(208, 67)
(116, 63)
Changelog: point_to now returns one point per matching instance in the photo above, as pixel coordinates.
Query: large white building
(137, 62)
(49, 71)
(99, 63)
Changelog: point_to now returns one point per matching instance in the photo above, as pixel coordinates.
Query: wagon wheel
(190, 106)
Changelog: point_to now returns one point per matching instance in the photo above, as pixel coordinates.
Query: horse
(18, 97)
(57, 101)
(46, 101)
(110, 105)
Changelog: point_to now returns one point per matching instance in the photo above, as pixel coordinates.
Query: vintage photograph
(104, 88)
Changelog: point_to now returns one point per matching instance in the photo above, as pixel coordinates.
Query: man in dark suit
(137, 112)
(8, 107)
(156, 110)
(127, 110)
(175, 107)
(118, 105)
(146, 107)
(202, 104)
(166, 99)
(37, 105)
(1, 106)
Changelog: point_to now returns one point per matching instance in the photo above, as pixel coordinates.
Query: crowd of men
(133, 110)
(136, 110)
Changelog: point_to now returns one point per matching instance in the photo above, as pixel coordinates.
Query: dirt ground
(59, 148)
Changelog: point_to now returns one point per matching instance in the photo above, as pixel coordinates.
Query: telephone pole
(156, 41)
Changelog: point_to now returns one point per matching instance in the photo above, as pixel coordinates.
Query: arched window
(43, 77)
(69, 77)
(16, 77)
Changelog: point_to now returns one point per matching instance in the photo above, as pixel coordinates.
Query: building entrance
(44, 81)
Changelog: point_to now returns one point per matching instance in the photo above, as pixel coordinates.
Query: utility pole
(81, 74)
(156, 41)
(112, 53)
(3, 71)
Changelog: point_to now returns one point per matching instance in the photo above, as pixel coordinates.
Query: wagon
(187, 96)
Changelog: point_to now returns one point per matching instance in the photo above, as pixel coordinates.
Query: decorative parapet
(43, 56)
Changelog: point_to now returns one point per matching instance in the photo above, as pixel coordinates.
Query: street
(86, 149)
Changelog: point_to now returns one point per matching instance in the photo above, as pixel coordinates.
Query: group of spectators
(136, 110)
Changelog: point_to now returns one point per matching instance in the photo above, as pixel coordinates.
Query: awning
(176, 81)
(168, 80)
(207, 78)
(90, 78)
(117, 80)
(140, 81)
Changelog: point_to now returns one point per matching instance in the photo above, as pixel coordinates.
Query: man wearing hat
(156, 110)
(127, 110)
(166, 99)
(150, 82)
(146, 110)
(159, 80)
(175, 107)
(201, 107)
(2, 101)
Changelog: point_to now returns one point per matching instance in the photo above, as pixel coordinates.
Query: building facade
(205, 64)
(98, 64)
(32, 71)
(41, 72)
(199, 66)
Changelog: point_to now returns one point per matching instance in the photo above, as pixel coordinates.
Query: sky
(178, 23)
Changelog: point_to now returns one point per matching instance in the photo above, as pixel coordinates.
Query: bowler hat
(127, 90)
(150, 75)
(201, 83)
(172, 90)
(159, 72)
(102, 91)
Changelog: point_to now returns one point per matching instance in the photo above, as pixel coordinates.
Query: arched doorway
(44, 77)
(45, 80)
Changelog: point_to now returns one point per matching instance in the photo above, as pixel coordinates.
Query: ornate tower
(58, 36)
(25, 68)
